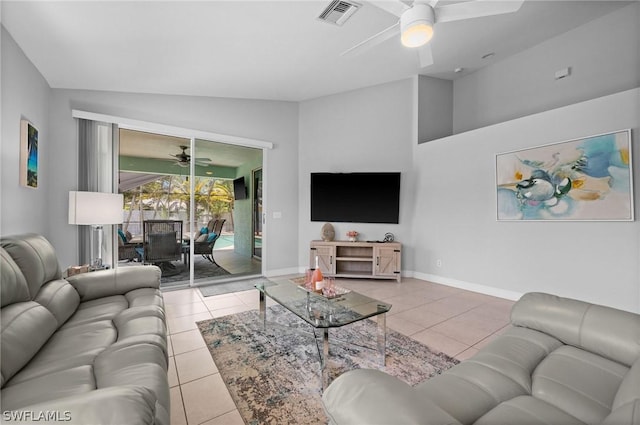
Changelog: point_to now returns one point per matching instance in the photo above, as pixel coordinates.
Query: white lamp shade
(95, 208)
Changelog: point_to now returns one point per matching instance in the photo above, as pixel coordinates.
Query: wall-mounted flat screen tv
(355, 197)
(239, 189)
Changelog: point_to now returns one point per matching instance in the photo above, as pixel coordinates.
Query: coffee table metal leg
(263, 310)
(325, 357)
(382, 337)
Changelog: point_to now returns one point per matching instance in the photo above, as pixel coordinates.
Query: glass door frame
(192, 134)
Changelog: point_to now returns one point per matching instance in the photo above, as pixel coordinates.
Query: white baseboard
(468, 286)
(474, 287)
(283, 272)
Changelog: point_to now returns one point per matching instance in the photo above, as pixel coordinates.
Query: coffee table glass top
(320, 311)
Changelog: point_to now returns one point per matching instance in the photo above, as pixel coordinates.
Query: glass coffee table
(323, 312)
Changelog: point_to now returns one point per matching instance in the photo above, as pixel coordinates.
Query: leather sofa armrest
(106, 406)
(368, 396)
(119, 281)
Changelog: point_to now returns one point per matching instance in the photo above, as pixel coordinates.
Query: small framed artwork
(586, 179)
(28, 154)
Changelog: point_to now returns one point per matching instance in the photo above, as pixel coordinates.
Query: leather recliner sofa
(90, 349)
(563, 362)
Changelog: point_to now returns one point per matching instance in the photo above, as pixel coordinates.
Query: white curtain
(97, 166)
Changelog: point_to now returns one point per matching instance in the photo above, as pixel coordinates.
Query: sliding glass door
(198, 189)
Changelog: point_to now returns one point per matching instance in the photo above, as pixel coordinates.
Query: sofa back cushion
(611, 333)
(629, 391)
(26, 327)
(60, 298)
(13, 286)
(35, 257)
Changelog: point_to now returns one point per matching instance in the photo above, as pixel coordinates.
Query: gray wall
(456, 214)
(25, 95)
(604, 56)
(270, 121)
(363, 130)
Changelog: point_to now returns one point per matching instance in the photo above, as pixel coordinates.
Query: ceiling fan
(183, 158)
(417, 21)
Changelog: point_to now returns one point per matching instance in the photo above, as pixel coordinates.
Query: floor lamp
(95, 209)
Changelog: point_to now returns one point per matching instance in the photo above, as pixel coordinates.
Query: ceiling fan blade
(395, 7)
(374, 40)
(203, 159)
(425, 56)
(476, 9)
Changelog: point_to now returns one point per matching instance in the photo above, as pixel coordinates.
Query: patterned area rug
(274, 375)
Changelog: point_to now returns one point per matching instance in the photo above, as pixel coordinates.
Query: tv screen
(239, 189)
(355, 197)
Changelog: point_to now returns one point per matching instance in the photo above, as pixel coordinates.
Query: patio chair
(126, 249)
(161, 243)
(205, 247)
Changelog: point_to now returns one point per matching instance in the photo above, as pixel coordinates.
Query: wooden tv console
(373, 260)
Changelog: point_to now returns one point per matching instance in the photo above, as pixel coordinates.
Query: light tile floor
(451, 320)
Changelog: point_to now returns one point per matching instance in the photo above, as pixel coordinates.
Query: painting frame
(28, 154)
(583, 179)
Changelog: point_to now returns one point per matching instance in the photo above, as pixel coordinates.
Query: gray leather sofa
(563, 361)
(90, 349)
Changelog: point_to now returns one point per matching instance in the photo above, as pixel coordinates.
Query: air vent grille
(338, 12)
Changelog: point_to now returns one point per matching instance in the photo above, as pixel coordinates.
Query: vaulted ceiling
(275, 50)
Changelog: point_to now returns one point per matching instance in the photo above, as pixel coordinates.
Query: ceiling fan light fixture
(416, 25)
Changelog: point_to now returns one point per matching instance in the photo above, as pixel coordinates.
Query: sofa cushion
(527, 410)
(629, 390)
(59, 298)
(98, 310)
(578, 382)
(608, 332)
(500, 371)
(26, 326)
(68, 348)
(137, 364)
(364, 396)
(63, 383)
(35, 257)
(107, 406)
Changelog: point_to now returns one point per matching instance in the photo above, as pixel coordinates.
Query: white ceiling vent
(339, 11)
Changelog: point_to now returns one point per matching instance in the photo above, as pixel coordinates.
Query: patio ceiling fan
(183, 158)
(417, 20)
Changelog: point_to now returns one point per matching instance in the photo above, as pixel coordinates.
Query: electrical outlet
(439, 262)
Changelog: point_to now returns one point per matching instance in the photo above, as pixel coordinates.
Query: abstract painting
(582, 179)
(28, 154)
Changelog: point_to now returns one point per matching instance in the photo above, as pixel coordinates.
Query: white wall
(604, 56)
(25, 95)
(434, 108)
(369, 129)
(456, 214)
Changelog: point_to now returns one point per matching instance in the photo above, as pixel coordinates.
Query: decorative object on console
(587, 179)
(328, 232)
(352, 235)
(95, 209)
(28, 154)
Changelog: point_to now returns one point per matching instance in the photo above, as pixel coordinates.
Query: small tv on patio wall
(356, 197)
